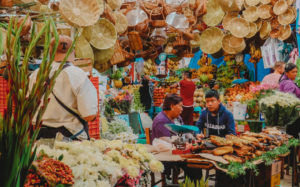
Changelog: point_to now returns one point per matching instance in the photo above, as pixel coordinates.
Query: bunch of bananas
(255, 54)
(150, 67)
(173, 65)
(204, 60)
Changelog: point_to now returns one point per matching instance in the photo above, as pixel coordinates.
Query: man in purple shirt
(172, 109)
(287, 83)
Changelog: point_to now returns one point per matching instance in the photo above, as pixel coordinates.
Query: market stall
(135, 54)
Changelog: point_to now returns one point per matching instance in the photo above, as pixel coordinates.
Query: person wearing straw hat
(73, 101)
(273, 78)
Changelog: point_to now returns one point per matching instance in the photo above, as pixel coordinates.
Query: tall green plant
(19, 134)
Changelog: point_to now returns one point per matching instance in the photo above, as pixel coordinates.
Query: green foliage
(19, 134)
(117, 75)
(137, 105)
(198, 183)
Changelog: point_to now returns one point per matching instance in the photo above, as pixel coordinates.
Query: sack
(270, 52)
(161, 145)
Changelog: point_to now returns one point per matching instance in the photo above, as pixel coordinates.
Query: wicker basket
(157, 22)
(6, 3)
(109, 14)
(118, 56)
(180, 42)
(158, 40)
(86, 64)
(135, 40)
(148, 6)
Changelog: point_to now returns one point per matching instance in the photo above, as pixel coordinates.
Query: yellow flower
(133, 171)
(104, 125)
(156, 166)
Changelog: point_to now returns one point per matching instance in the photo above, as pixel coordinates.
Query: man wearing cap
(74, 90)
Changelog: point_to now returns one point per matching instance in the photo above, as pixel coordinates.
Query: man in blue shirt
(216, 119)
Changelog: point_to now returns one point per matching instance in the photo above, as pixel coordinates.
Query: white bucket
(239, 111)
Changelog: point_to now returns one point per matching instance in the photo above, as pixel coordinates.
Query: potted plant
(116, 76)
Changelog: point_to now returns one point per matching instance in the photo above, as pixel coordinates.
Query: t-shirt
(187, 89)
(272, 79)
(158, 126)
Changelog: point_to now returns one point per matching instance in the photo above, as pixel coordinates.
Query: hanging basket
(157, 22)
(148, 6)
(180, 42)
(118, 56)
(158, 40)
(6, 3)
(135, 40)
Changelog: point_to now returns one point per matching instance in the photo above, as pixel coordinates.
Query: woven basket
(86, 64)
(148, 6)
(6, 3)
(109, 14)
(135, 40)
(118, 56)
(180, 42)
(26, 27)
(159, 22)
(126, 7)
(158, 40)
(147, 51)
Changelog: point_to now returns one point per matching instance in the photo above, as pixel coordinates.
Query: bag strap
(81, 120)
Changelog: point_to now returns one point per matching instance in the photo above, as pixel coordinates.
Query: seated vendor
(216, 118)
(172, 109)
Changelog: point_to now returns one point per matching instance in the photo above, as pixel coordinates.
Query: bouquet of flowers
(280, 109)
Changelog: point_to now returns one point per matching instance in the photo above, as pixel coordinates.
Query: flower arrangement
(103, 162)
(280, 108)
(119, 130)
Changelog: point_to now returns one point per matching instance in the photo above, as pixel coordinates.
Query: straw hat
(229, 41)
(214, 14)
(258, 24)
(102, 35)
(237, 5)
(238, 44)
(265, 2)
(225, 4)
(114, 4)
(280, 7)
(121, 22)
(211, 40)
(80, 13)
(250, 14)
(227, 18)
(264, 11)
(239, 27)
(252, 2)
(286, 18)
(290, 2)
(285, 33)
(253, 30)
(83, 48)
(265, 30)
(103, 56)
(102, 67)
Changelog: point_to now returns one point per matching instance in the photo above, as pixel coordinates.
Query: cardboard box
(275, 180)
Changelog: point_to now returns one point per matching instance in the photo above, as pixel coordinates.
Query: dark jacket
(219, 125)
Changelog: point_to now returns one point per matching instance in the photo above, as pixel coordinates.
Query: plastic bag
(136, 16)
(271, 52)
(161, 145)
(146, 120)
(178, 21)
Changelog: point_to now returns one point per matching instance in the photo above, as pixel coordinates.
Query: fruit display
(172, 80)
(131, 88)
(225, 74)
(150, 67)
(171, 90)
(255, 54)
(173, 65)
(206, 68)
(158, 96)
(240, 93)
(199, 98)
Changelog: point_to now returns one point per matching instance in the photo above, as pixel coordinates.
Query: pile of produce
(240, 92)
(150, 67)
(137, 105)
(120, 104)
(206, 69)
(158, 96)
(199, 98)
(171, 80)
(131, 88)
(173, 65)
(225, 74)
(103, 162)
(119, 130)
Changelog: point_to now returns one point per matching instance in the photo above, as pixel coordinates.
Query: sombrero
(237, 5)
(239, 27)
(285, 33)
(253, 30)
(214, 14)
(264, 11)
(265, 2)
(80, 13)
(258, 24)
(265, 30)
(102, 35)
(238, 44)
(252, 2)
(251, 14)
(211, 40)
(114, 4)
(280, 7)
(121, 22)
(227, 18)
(286, 18)
(83, 48)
